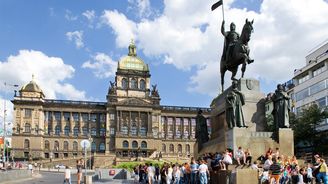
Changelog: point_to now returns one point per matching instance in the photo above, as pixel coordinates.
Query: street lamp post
(4, 124)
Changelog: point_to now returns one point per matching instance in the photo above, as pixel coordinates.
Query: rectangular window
(317, 87)
(67, 116)
(76, 116)
(57, 116)
(93, 117)
(28, 113)
(302, 94)
(321, 102)
(85, 117)
(112, 131)
(102, 117)
(303, 79)
(112, 116)
(319, 70)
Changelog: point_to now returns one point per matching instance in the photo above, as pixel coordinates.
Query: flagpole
(222, 10)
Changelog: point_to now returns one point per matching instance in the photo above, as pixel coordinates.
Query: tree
(306, 131)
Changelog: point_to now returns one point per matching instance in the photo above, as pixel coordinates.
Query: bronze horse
(239, 54)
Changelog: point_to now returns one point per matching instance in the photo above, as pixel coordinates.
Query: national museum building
(130, 122)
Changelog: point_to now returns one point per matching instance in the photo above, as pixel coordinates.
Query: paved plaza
(56, 178)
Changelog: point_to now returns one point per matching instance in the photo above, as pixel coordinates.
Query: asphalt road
(58, 178)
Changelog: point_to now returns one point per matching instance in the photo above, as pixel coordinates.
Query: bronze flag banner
(217, 4)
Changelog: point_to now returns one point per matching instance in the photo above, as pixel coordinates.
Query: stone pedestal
(286, 141)
(254, 136)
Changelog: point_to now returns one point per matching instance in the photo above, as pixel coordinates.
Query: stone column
(139, 118)
(71, 127)
(80, 124)
(149, 129)
(62, 124)
(174, 127)
(129, 124)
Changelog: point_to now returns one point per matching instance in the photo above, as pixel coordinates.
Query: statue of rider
(230, 39)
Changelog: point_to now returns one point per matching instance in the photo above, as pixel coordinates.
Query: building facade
(131, 122)
(310, 83)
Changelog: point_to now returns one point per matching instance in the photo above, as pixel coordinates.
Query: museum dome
(131, 61)
(32, 86)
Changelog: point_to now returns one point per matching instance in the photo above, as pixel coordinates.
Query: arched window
(125, 144)
(27, 128)
(46, 145)
(27, 144)
(75, 146)
(102, 147)
(85, 130)
(65, 145)
(143, 144)
(57, 130)
(142, 84)
(163, 148)
(56, 146)
(134, 129)
(134, 144)
(188, 148)
(93, 147)
(171, 148)
(134, 84)
(76, 131)
(124, 83)
(66, 130)
(179, 148)
(93, 131)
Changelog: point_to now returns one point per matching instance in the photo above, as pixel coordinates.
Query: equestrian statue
(235, 50)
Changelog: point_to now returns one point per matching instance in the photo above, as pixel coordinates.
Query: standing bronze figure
(234, 102)
(201, 129)
(235, 50)
(281, 107)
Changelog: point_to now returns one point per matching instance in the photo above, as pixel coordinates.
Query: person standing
(275, 171)
(151, 173)
(194, 171)
(157, 172)
(79, 171)
(323, 171)
(203, 172)
(67, 175)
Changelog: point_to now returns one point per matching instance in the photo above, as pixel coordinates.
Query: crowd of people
(282, 169)
(273, 168)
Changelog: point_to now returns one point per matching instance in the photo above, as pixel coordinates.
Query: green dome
(31, 87)
(131, 61)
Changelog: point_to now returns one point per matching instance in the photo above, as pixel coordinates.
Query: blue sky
(72, 47)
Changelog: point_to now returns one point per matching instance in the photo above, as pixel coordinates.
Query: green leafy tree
(306, 131)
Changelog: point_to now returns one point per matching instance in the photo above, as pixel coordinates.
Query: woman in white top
(268, 163)
(169, 174)
(67, 175)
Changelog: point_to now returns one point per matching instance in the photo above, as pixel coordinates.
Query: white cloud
(69, 16)
(102, 65)
(50, 74)
(143, 7)
(123, 28)
(77, 37)
(188, 35)
(90, 15)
